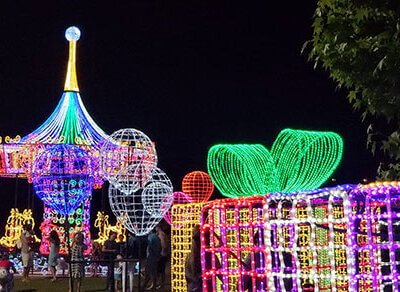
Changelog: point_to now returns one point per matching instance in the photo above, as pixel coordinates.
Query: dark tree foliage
(358, 42)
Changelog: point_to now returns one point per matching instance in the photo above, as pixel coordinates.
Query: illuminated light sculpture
(79, 220)
(15, 225)
(307, 240)
(105, 228)
(375, 237)
(198, 185)
(137, 212)
(232, 245)
(128, 159)
(305, 159)
(63, 177)
(179, 198)
(181, 240)
(242, 170)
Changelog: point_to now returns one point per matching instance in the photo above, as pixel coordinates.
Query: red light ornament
(198, 185)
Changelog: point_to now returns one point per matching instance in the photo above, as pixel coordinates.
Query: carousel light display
(105, 228)
(307, 240)
(128, 159)
(230, 263)
(375, 237)
(242, 170)
(179, 198)
(184, 217)
(139, 213)
(63, 177)
(14, 226)
(79, 220)
(305, 159)
(198, 185)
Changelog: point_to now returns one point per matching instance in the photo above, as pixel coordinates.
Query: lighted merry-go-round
(277, 230)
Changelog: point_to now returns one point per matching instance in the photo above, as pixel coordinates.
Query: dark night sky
(190, 74)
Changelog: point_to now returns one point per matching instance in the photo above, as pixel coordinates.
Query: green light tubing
(298, 160)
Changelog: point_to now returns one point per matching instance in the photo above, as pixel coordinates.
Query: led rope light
(307, 245)
(184, 217)
(305, 159)
(232, 245)
(79, 220)
(179, 198)
(198, 185)
(62, 176)
(242, 170)
(374, 240)
(105, 228)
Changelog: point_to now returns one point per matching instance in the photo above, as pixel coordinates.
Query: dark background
(189, 74)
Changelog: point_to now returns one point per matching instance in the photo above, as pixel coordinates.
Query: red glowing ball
(198, 185)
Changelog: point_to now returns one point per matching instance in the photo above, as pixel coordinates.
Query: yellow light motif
(105, 228)
(14, 226)
(183, 218)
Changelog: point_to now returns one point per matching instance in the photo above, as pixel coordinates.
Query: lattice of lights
(242, 170)
(62, 176)
(184, 218)
(198, 185)
(79, 220)
(14, 226)
(140, 212)
(307, 240)
(375, 237)
(105, 228)
(128, 159)
(179, 199)
(305, 159)
(232, 245)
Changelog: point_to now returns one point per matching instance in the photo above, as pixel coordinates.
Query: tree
(358, 42)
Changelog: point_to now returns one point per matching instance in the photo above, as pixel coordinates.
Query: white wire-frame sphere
(128, 159)
(62, 176)
(139, 212)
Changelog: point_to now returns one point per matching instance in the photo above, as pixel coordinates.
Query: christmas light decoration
(375, 237)
(184, 217)
(15, 225)
(138, 211)
(63, 177)
(242, 170)
(179, 198)
(77, 221)
(105, 228)
(128, 159)
(198, 185)
(233, 254)
(307, 240)
(305, 159)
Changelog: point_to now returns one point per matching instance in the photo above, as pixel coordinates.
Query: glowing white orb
(72, 34)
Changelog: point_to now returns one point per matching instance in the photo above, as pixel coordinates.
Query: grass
(37, 283)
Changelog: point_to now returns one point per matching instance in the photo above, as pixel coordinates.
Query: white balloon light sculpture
(128, 159)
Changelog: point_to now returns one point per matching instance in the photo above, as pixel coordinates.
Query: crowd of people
(153, 251)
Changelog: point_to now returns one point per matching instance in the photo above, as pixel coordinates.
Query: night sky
(189, 74)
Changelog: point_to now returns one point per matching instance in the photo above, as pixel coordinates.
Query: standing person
(26, 250)
(165, 252)
(153, 259)
(54, 253)
(95, 256)
(78, 271)
(110, 251)
(6, 277)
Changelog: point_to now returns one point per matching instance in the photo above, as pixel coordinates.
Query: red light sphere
(198, 185)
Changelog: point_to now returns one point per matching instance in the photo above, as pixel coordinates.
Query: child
(118, 272)
(6, 278)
